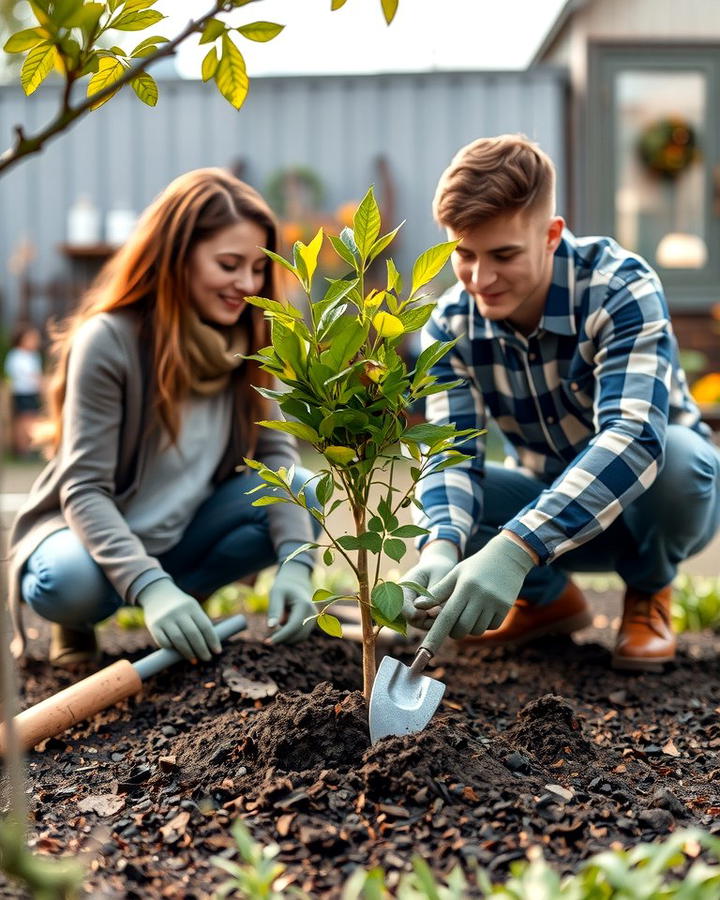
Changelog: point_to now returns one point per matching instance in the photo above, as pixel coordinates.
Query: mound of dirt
(549, 729)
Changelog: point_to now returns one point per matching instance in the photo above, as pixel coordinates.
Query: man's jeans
(227, 539)
(674, 519)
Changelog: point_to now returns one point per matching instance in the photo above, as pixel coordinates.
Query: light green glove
(478, 593)
(436, 560)
(291, 603)
(177, 621)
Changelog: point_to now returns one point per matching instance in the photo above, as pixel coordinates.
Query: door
(654, 161)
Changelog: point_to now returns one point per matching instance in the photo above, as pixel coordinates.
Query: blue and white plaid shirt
(584, 400)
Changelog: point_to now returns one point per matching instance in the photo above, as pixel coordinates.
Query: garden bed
(546, 745)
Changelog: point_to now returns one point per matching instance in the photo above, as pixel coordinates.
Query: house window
(660, 184)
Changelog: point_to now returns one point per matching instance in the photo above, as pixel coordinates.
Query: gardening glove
(478, 593)
(177, 621)
(291, 603)
(436, 560)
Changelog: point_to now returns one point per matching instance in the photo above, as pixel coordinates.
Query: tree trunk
(368, 629)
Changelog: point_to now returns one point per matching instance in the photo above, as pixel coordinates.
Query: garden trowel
(403, 700)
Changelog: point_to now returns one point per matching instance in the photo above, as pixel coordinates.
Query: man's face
(505, 264)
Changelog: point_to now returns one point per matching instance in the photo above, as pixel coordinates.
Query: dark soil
(546, 745)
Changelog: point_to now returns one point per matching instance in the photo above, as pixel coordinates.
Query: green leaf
(109, 70)
(325, 489)
(297, 429)
(341, 456)
(260, 31)
(321, 595)
(394, 279)
(231, 75)
(275, 306)
(281, 260)
(328, 557)
(343, 251)
(419, 589)
(137, 20)
(212, 31)
(413, 319)
(87, 17)
(400, 625)
(330, 625)
(148, 46)
(409, 531)
(366, 224)
(394, 549)
(298, 550)
(376, 524)
(429, 264)
(388, 598)
(425, 433)
(37, 66)
(348, 238)
(347, 340)
(433, 354)
(209, 65)
(146, 88)
(268, 501)
(371, 541)
(383, 242)
(389, 8)
(25, 40)
(349, 542)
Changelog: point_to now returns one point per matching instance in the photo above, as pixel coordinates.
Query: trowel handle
(155, 662)
(73, 704)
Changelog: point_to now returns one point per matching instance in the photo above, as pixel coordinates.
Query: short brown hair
(491, 177)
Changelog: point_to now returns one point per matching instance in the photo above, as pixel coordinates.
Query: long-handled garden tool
(403, 700)
(98, 691)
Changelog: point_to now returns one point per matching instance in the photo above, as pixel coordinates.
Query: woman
(152, 409)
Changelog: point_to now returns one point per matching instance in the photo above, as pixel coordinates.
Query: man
(566, 343)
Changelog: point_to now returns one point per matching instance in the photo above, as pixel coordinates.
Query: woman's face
(225, 269)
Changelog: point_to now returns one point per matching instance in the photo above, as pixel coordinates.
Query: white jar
(119, 225)
(83, 223)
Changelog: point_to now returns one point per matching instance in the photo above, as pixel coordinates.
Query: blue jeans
(672, 520)
(227, 539)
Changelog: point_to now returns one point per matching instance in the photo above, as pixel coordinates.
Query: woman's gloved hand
(436, 560)
(176, 621)
(291, 603)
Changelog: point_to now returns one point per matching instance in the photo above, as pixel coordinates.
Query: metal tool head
(402, 700)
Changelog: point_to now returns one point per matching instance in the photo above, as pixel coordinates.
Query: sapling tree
(348, 391)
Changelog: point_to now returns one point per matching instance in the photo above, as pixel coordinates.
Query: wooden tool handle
(75, 703)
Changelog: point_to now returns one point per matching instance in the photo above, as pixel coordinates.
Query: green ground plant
(347, 393)
(668, 870)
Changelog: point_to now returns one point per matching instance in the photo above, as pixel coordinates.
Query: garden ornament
(403, 700)
(80, 701)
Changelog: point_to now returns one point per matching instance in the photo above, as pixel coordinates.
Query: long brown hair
(150, 273)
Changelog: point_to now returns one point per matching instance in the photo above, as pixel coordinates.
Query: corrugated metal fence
(336, 126)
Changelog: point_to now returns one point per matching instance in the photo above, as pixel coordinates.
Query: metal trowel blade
(402, 701)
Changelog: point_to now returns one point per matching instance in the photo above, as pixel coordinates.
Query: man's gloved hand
(436, 560)
(478, 593)
(177, 621)
(291, 603)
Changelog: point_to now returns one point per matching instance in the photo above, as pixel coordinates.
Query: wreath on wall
(668, 147)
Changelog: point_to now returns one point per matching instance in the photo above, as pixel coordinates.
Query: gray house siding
(337, 126)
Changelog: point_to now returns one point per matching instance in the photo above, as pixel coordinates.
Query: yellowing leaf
(330, 624)
(342, 456)
(231, 76)
(260, 31)
(336, 4)
(209, 65)
(24, 40)
(137, 21)
(387, 325)
(374, 299)
(429, 264)
(109, 71)
(37, 66)
(389, 8)
(146, 89)
(310, 253)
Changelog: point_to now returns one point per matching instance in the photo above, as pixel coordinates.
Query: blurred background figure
(23, 370)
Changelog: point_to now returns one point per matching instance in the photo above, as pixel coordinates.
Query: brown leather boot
(525, 622)
(645, 640)
(71, 647)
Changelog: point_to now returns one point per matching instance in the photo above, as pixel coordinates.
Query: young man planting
(566, 343)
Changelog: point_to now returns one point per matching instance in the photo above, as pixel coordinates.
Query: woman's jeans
(672, 520)
(227, 539)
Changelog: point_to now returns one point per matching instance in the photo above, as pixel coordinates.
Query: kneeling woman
(152, 411)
